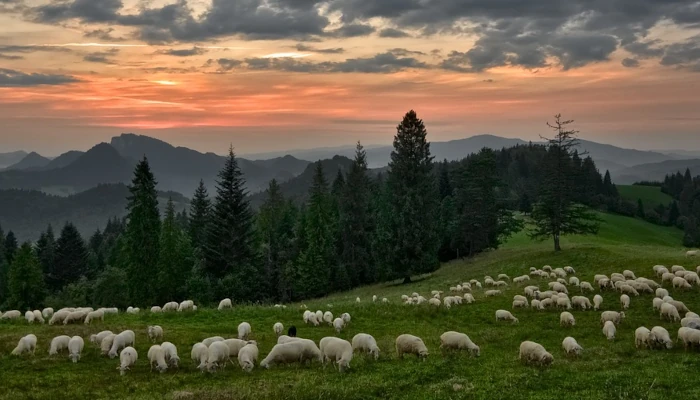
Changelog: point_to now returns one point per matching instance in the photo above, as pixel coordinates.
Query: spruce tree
(173, 269)
(444, 184)
(11, 246)
(413, 238)
(200, 208)
(230, 252)
(640, 209)
(4, 267)
(25, 280)
(46, 250)
(355, 222)
(315, 261)
(556, 213)
(71, 262)
(142, 236)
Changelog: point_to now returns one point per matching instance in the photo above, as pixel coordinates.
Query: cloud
(303, 47)
(195, 51)
(227, 64)
(685, 54)
(85, 10)
(104, 35)
(382, 63)
(10, 57)
(101, 57)
(630, 63)
(352, 30)
(392, 33)
(12, 78)
(32, 49)
(404, 52)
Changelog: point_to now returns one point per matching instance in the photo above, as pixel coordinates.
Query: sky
(269, 75)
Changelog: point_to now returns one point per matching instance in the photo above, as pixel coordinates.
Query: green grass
(651, 195)
(606, 370)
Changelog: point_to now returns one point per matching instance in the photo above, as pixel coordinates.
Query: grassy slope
(606, 369)
(650, 195)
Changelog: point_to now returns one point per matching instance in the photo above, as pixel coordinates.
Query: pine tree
(355, 222)
(687, 177)
(173, 269)
(673, 213)
(183, 220)
(338, 184)
(556, 214)
(46, 250)
(10, 246)
(142, 236)
(412, 239)
(25, 280)
(315, 261)
(4, 267)
(71, 262)
(445, 186)
(640, 209)
(230, 252)
(200, 209)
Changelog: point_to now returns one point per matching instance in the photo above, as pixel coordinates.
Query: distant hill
(7, 159)
(63, 160)
(27, 213)
(651, 196)
(32, 160)
(655, 171)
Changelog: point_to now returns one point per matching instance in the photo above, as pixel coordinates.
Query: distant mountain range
(7, 159)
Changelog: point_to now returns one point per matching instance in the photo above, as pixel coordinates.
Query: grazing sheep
(546, 303)
(156, 357)
(328, 317)
(628, 274)
(690, 337)
(278, 328)
(627, 289)
(170, 353)
(581, 302)
(27, 344)
(47, 312)
(691, 314)
(409, 344)
(75, 347)
(171, 306)
(680, 283)
(661, 293)
(667, 277)
(692, 253)
(346, 318)
(14, 314)
(521, 279)
(58, 344)
(535, 304)
(156, 309)
(244, 330)
(306, 316)
(94, 315)
(434, 302)
(668, 311)
(337, 351)
(338, 324)
(357, 300)
(676, 268)
(133, 310)
(187, 305)
(558, 287)
(319, 316)
(217, 355)
(563, 302)
(503, 315)
(492, 293)
(155, 333)
(680, 306)
(248, 356)
(643, 337)
(458, 341)
(613, 316)
(687, 321)
(597, 301)
(569, 270)
(566, 319)
(385, 300)
(534, 353)
(29, 316)
(661, 337)
(234, 346)
(520, 304)
(609, 330)
(468, 298)
(225, 303)
(208, 341)
(291, 352)
(571, 346)
(313, 320)
(199, 355)
(656, 303)
(122, 340)
(106, 343)
(574, 281)
(692, 278)
(625, 302)
(365, 343)
(127, 359)
(75, 316)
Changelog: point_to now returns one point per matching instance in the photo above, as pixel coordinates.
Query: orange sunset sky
(269, 75)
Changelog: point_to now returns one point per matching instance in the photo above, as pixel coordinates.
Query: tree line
(358, 229)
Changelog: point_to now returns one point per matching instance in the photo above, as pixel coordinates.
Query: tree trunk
(557, 246)
(407, 279)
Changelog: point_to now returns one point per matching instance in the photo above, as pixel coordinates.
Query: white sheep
(156, 357)
(26, 344)
(13, 314)
(75, 347)
(661, 337)
(29, 316)
(208, 341)
(319, 316)
(171, 306)
(217, 355)
(75, 316)
(680, 306)
(337, 351)
(643, 337)
(690, 337)
(364, 342)
(458, 341)
(504, 315)
(225, 303)
(692, 253)
(291, 352)
(357, 300)
(234, 346)
(468, 298)
(566, 319)
(127, 359)
(569, 270)
(199, 355)
(374, 298)
(58, 344)
(248, 356)
(492, 293)
(558, 287)
(625, 302)
(614, 316)
(155, 333)
(571, 346)
(328, 317)
(170, 354)
(656, 303)
(434, 302)
(338, 324)
(278, 328)
(667, 277)
(520, 304)
(628, 274)
(385, 300)
(111, 310)
(409, 344)
(133, 310)
(531, 352)
(47, 312)
(521, 279)
(244, 330)
(94, 315)
(670, 312)
(680, 283)
(691, 314)
(676, 268)
(313, 320)
(122, 340)
(661, 293)
(581, 302)
(535, 304)
(187, 305)
(156, 309)
(574, 281)
(106, 343)
(609, 330)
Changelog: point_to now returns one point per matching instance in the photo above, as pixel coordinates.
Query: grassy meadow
(651, 195)
(606, 369)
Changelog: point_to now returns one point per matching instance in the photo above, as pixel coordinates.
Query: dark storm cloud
(85, 10)
(685, 54)
(352, 30)
(12, 78)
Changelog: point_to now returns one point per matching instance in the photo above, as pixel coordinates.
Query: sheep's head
(343, 365)
(248, 366)
(476, 351)
(174, 361)
(622, 315)
(93, 338)
(515, 320)
(162, 368)
(423, 354)
(375, 353)
(546, 359)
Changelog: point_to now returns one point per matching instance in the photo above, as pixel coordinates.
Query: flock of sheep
(215, 352)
